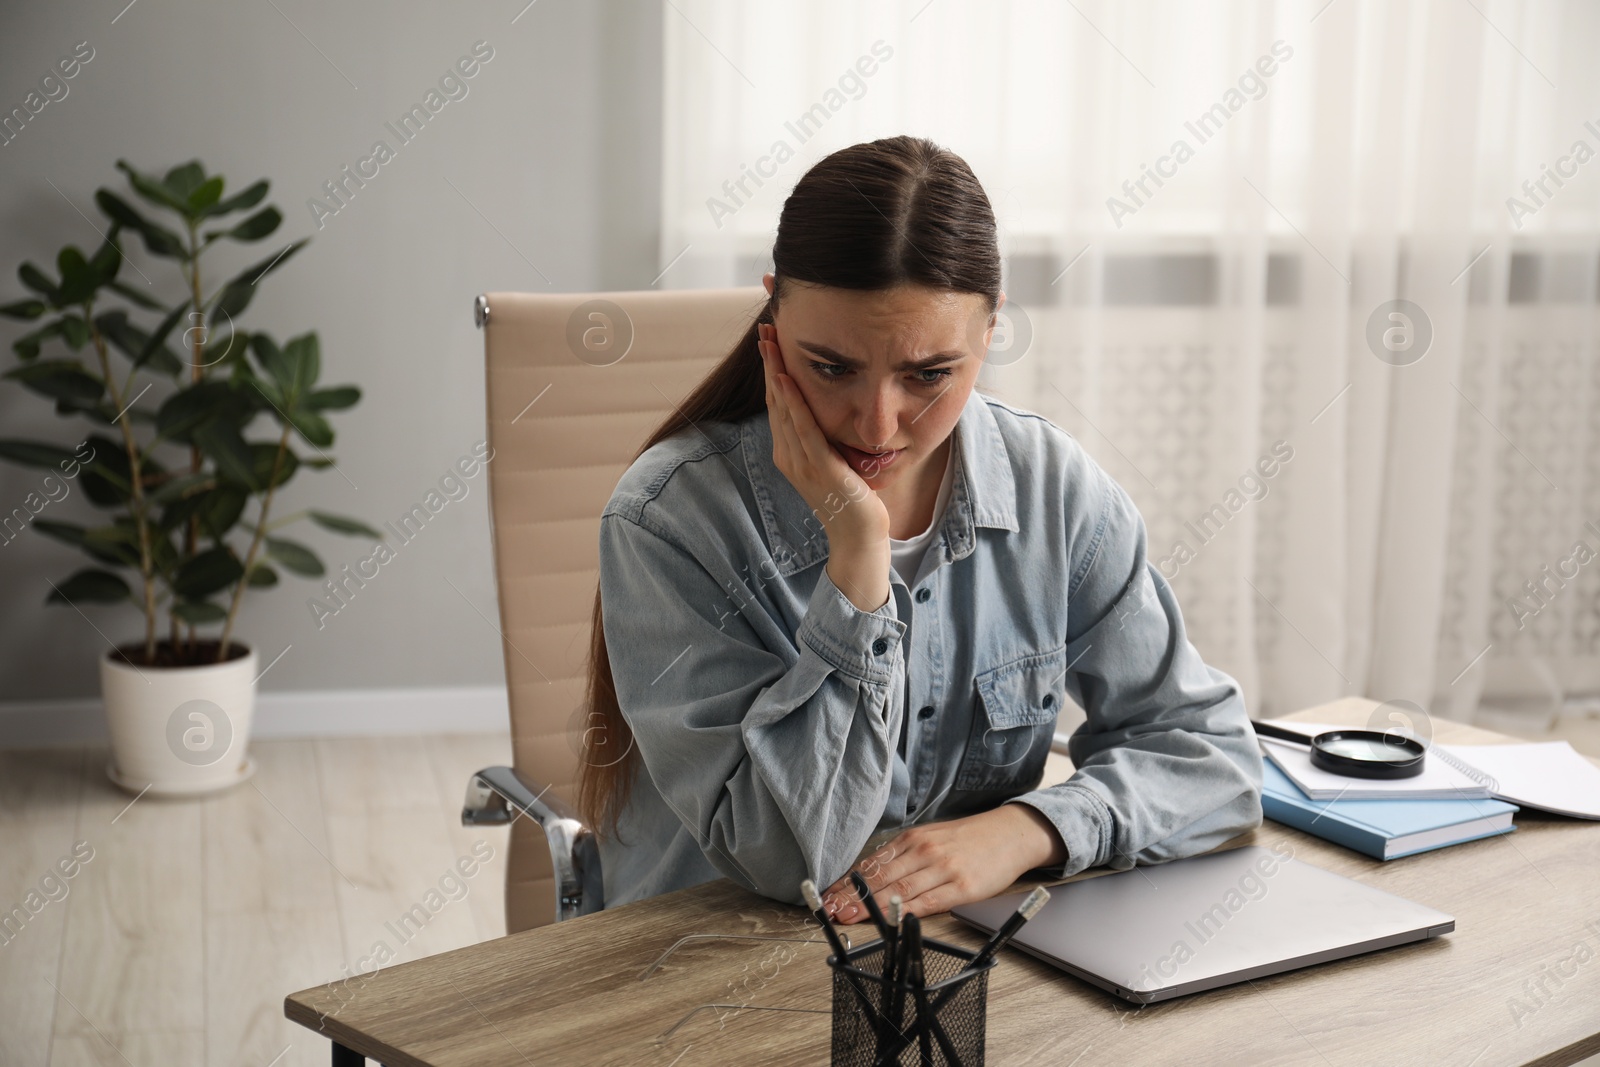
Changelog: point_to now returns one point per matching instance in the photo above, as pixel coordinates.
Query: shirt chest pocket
(1014, 724)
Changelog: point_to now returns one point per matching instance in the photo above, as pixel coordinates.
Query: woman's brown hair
(896, 211)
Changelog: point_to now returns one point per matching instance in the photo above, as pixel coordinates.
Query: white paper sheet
(1548, 775)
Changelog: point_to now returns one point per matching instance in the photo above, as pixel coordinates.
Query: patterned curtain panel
(1315, 281)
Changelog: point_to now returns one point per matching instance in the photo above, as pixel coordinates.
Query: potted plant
(175, 458)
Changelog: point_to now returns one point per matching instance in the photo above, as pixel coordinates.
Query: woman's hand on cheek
(841, 500)
(936, 866)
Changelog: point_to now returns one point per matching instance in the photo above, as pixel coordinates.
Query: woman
(843, 595)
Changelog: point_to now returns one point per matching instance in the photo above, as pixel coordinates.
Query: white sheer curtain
(1205, 209)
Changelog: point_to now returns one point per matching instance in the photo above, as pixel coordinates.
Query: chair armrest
(493, 792)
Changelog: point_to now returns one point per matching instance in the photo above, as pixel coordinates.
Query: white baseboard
(316, 713)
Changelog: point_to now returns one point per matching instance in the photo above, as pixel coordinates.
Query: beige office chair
(575, 382)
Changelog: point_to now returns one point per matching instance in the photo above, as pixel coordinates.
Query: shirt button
(911, 809)
(923, 595)
(880, 646)
(1049, 701)
(926, 713)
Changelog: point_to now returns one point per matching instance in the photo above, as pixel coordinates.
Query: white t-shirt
(906, 556)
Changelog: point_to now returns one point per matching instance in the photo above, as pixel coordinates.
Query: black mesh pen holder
(948, 1030)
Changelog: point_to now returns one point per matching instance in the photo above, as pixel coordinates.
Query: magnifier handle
(1269, 730)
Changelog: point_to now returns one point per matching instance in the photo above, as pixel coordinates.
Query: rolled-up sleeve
(1166, 764)
(776, 753)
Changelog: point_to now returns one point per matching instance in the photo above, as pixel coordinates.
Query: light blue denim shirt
(781, 726)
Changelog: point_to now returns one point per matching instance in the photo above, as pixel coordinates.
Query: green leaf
(24, 309)
(273, 363)
(313, 427)
(335, 399)
(221, 510)
(156, 344)
(180, 511)
(205, 402)
(166, 556)
(34, 453)
(262, 576)
(107, 479)
(235, 295)
(39, 282)
(29, 344)
(239, 201)
(268, 392)
(134, 343)
(137, 297)
(158, 239)
(303, 355)
(233, 299)
(120, 211)
(62, 379)
(198, 612)
(220, 440)
(341, 525)
(91, 586)
(254, 228)
(77, 280)
(295, 556)
(181, 181)
(321, 463)
(104, 414)
(255, 273)
(107, 261)
(117, 544)
(184, 486)
(206, 573)
(74, 331)
(224, 349)
(262, 457)
(218, 510)
(204, 196)
(65, 532)
(186, 410)
(177, 515)
(151, 190)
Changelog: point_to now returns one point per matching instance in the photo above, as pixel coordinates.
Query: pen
(927, 1017)
(1026, 910)
(897, 959)
(808, 890)
(876, 913)
(917, 978)
(813, 899)
(893, 971)
(893, 964)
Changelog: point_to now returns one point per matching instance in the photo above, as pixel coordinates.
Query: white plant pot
(179, 731)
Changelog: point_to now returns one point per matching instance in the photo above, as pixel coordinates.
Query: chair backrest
(575, 383)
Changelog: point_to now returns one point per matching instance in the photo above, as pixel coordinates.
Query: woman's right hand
(848, 509)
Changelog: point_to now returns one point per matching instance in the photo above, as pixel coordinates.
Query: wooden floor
(175, 944)
(177, 941)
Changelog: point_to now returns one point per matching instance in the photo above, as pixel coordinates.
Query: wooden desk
(1526, 906)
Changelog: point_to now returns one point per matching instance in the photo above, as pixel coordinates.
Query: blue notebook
(1382, 829)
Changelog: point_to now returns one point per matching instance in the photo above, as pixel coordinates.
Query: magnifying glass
(1356, 753)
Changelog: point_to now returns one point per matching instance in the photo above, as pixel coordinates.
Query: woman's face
(885, 373)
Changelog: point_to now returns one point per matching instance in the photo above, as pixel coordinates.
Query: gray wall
(557, 145)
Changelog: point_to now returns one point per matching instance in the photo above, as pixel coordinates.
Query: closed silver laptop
(1157, 932)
